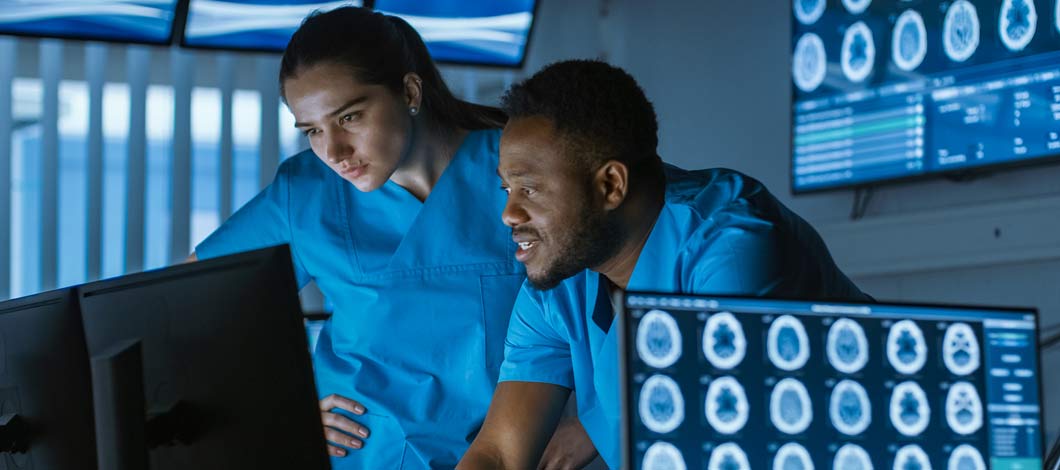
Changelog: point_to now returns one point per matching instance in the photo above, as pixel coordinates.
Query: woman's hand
(342, 433)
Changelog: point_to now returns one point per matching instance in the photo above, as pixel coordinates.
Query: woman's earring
(414, 110)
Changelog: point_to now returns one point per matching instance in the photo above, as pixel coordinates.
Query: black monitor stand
(125, 430)
(1052, 460)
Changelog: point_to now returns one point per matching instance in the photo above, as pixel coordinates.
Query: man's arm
(518, 426)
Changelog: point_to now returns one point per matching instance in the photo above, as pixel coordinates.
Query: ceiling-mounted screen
(886, 90)
(143, 21)
(252, 25)
(479, 32)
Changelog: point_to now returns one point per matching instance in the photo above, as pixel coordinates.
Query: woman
(395, 213)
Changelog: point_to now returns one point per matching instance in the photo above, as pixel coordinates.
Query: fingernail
(355, 444)
(363, 433)
(340, 452)
(358, 409)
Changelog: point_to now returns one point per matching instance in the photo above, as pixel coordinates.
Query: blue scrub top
(423, 294)
(719, 232)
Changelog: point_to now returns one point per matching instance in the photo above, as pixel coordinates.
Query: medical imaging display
(888, 90)
(257, 25)
(744, 383)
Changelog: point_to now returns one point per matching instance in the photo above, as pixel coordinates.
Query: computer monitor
(895, 90)
(742, 383)
(45, 385)
(478, 32)
(249, 25)
(226, 373)
(139, 21)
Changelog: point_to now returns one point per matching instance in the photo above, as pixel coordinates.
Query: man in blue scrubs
(592, 209)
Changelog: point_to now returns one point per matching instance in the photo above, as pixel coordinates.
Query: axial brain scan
(663, 456)
(906, 348)
(787, 344)
(790, 408)
(909, 40)
(960, 349)
(662, 408)
(847, 346)
(852, 457)
(728, 456)
(726, 405)
(859, 52)
(658, 340)
(792, 456)
(849, 408)
(724, 344)
(960, 31)
(964, 409)
(1017, 22)
(910, 411)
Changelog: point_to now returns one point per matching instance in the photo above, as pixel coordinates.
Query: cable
(862, 197)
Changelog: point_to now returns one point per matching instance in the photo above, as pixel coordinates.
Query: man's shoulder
(709, 188)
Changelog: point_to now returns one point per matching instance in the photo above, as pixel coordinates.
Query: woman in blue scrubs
(395, 213)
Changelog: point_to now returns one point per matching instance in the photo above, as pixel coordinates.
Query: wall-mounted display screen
(139, 21)
(482, 32)
(253, 25)
(887, 89)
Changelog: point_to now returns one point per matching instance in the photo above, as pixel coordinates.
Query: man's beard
(589, 244)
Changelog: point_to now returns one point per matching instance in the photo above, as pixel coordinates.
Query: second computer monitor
(226, 372)
(744, 383)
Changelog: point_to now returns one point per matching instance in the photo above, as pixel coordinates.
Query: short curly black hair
(598, 108)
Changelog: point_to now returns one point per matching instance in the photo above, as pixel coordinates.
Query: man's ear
(611, 183)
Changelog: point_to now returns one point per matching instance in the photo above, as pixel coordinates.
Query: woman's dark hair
(380, 50)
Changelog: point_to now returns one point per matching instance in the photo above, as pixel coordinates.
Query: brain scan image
(960, 31)
(851, 457)
(809, 66)
(964, 409)
(1016, 24)
(911, 457)
(726, 405)
(728, 456)
(960, 349)
(966, 457)
(856, 7)
(787, 345)
(661, 406)
(724, 343)
(808, 11)
(910, 411)
(909, 41)
(790, 408)
(792, 456)
(847, 346)
(859, 52)
(663, 456)
(849, 408)
(906, 348)
(658, 340)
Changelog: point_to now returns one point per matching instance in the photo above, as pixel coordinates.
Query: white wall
(719, 76)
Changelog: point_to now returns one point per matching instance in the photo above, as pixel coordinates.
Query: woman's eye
(309, 132)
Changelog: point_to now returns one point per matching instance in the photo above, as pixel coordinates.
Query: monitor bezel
(620, 297)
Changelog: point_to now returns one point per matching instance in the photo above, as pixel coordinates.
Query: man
(593, 208)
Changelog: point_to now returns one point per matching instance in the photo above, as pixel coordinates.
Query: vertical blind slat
(138, 62)
(95, 74)
(268, 72)
(8, 50)
(51, 67)
(180, 224)
(226, 74)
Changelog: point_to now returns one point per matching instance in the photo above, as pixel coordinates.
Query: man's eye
(309, 132)
(506, 189)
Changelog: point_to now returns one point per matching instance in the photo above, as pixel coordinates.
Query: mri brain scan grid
(792, 391)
